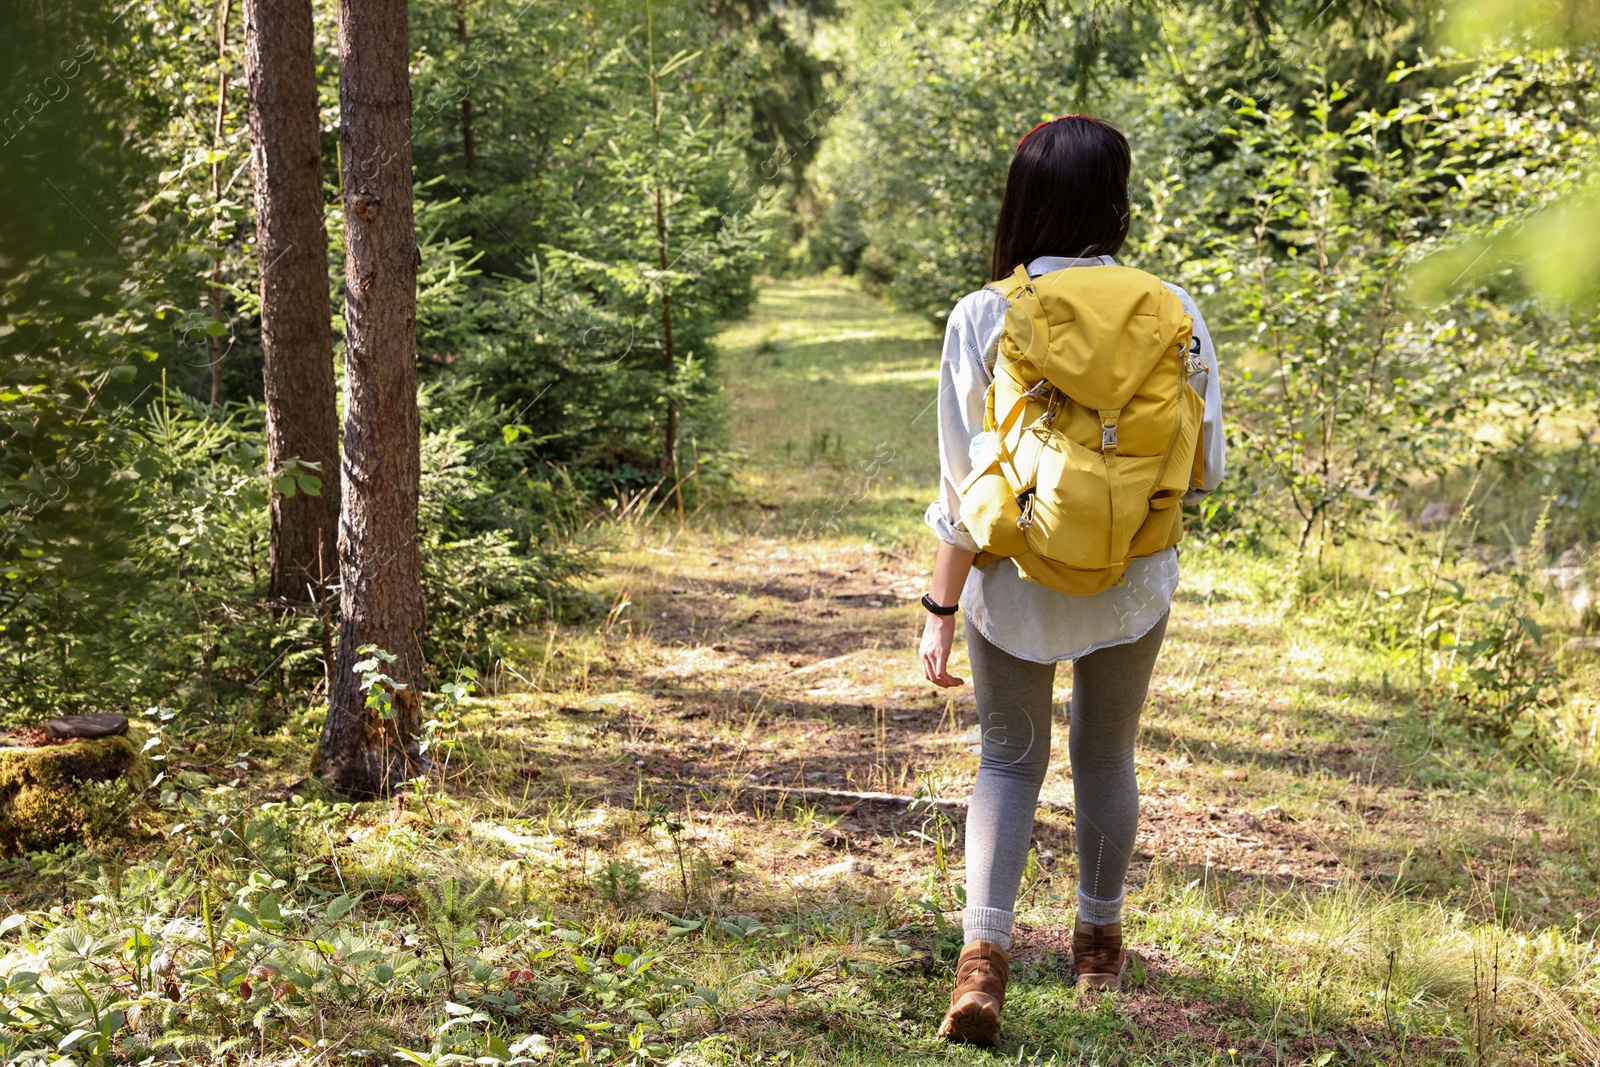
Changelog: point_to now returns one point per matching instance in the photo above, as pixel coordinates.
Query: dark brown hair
(1066, 194)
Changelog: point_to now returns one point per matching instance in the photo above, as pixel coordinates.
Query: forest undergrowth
(720, 822)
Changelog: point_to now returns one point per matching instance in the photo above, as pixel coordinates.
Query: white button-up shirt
(1029, 620)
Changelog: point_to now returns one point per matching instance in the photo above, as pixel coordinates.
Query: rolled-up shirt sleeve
(971, 333)
(1213, 441)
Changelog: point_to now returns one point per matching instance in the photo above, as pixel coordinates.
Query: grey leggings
(1014, 710)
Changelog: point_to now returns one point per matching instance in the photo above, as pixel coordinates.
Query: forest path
(780, 633)
(722, 731)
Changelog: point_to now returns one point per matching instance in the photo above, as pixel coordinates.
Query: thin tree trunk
(669, 444)
(469, 138)
(669, 450)
(363, 754)
(216, 193)
(296, 328)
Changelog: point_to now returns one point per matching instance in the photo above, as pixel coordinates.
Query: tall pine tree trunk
(363, 753)
(296, 329)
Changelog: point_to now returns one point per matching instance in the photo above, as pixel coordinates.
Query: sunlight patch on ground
(1308, 659)
(691, 662)
(928, 375)
(513, 838)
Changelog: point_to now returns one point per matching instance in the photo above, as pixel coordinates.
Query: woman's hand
(950, 568)
(938, 634)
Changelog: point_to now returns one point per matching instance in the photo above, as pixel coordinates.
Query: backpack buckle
(1108, 430)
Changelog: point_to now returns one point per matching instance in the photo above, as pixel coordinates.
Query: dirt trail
(765, 647)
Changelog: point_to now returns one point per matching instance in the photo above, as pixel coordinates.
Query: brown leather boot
(1098, 958)
(974, 1015)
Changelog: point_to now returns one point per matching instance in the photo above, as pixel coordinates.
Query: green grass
(832, 401)
(621, 864)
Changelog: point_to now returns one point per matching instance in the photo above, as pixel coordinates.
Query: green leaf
(73, 1038)
(677, 61)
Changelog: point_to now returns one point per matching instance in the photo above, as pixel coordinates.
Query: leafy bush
(178, 618)
(1343, 388)
(1298, 224)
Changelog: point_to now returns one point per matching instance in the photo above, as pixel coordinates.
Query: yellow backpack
(1098, 430)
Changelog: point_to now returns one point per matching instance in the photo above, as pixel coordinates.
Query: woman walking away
(1078, 407)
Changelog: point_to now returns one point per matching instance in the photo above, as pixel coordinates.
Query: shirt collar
(1047, 264)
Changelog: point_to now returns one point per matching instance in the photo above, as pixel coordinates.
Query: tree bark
(296, 328)
(363, 754)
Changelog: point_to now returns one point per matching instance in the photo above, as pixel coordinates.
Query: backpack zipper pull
(1025, 520)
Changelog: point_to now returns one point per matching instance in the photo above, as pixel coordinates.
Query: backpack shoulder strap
(1013, 284)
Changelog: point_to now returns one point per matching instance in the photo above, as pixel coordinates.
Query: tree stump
(59, 786)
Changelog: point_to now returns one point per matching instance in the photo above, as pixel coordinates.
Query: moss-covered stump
(52, 793)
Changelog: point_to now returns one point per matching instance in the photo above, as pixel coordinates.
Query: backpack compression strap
(1009, 287)
(1109, 455)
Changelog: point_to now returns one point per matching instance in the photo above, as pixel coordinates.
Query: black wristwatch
(938, 608)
